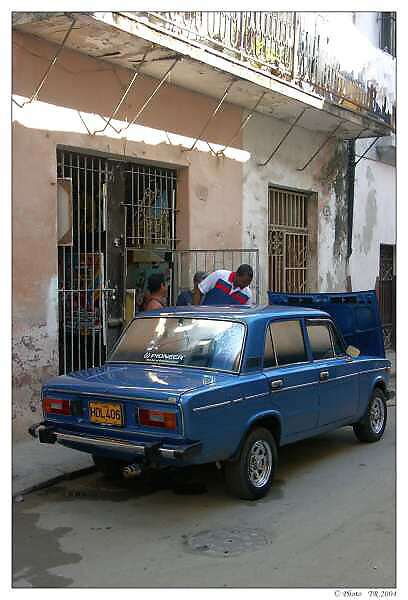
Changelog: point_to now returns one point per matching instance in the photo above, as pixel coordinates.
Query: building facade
(177, 142)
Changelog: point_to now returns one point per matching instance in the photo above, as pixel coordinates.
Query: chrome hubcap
(259, 463)
(377, 414)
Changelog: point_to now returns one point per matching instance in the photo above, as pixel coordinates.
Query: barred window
(388, 29)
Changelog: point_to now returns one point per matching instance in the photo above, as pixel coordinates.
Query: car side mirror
(352, 351)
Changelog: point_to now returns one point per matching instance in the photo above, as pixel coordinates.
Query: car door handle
(324, 375)
(276, 384)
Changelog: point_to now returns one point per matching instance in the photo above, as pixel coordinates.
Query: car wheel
(250, 476)
(371, 427)
(109, 467)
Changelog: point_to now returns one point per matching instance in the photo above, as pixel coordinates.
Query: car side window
(337, 343)
(320, 340)
(269, 354)
(288, 341)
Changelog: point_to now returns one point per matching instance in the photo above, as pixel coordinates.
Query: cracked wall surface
(374, 217)
(34, 360)
(374, 213)
(325, 177)
(209, 189)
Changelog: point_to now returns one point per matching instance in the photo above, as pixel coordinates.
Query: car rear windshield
(179, 341)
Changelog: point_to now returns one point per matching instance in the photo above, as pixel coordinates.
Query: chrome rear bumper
(141, 448)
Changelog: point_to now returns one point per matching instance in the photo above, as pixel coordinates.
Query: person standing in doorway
(224, 287)
(185, 298)
(157, 287)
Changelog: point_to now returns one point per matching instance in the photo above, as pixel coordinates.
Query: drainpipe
(350, 178)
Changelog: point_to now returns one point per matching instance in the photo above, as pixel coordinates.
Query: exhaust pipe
(33, 430)
(131, 471)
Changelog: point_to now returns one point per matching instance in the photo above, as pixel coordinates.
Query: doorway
(288, 240)
(387, 294)
(116, 225)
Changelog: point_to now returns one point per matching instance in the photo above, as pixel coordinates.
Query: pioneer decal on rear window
(163, 356)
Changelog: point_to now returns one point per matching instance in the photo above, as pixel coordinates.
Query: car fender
(380, 382)
(252, 422)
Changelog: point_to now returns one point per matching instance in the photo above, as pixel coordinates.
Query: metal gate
(288, 247)
(387, 294)
(107, 210)
(188, 262)
(81, 260)
(150, 216)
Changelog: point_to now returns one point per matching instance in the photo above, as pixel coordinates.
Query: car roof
(237, 313)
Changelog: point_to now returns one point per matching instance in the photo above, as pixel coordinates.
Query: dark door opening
(387, 294)
(116, 223)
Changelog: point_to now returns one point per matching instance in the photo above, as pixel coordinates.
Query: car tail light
(56, 406)
(157, 418)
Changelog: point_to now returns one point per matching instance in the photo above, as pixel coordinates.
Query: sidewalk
(36, 465)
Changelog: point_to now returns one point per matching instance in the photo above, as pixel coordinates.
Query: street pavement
(328, 521)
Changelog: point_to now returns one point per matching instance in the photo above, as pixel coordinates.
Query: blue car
(230, 385)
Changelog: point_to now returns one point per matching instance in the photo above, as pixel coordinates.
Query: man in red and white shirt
(224, 287)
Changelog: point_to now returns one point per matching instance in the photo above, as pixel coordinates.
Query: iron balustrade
(292, 46)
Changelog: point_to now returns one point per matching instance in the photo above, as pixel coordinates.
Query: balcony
(289, 65)
(307, 49)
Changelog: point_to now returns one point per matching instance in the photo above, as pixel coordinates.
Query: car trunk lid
(128, 398)
(133, 381)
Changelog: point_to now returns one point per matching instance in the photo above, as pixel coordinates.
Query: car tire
(109, 467)
(371, 426)
(251, 475)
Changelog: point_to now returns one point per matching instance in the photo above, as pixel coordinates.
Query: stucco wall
(85, 84)
(325, 177)
(374, 212)
(368, 23)
(374, 217)
(209, 191)
(34, 268)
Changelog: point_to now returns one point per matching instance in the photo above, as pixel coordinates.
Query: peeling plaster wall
(91, 85)
(374, 218)
(214, 222)
(35, 270)
(325, 176)
(368, 24)
(209, 190)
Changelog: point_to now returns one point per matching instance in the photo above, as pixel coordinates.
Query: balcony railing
(326, 56)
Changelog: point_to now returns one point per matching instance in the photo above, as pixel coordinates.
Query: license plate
(107, 413)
